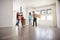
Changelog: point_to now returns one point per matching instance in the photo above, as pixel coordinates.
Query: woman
(17, 17)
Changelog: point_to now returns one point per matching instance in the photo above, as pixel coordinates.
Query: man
(34, 18)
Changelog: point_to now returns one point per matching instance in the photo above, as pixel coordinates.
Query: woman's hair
(17, 13)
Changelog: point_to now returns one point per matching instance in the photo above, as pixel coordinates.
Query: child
(22, 20)
(30, 18)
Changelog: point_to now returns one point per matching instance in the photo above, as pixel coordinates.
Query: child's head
(29, 13)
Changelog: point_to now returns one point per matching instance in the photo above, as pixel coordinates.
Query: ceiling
(35, 3)
(30, 0)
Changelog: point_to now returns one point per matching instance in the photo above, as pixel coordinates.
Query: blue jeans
(17, 22)
(35, 21)
(29, 21)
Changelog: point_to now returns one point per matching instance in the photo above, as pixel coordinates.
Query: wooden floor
(29, 33)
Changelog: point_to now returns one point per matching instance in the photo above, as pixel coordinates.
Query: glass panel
(43, 12)
(49, 17)
(48, 11)
(20, 8)
(43, 17)
(37, 12)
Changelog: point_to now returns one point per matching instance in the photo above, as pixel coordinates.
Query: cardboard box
(38, 15)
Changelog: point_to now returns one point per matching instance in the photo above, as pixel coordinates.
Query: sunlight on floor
(16, 30)
(43, 33)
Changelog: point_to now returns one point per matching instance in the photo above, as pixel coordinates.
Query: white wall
(58, 13)
(6, 11)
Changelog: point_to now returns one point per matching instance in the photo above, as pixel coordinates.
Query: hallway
(47, 15)
(29, 33)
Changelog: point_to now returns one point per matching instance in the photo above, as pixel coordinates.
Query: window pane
(48, 11)
(49, 17)
(43, 17)
(43, 12)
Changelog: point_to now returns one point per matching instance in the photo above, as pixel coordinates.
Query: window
(38, 11)
(43, 17)
(48, 11)
(49, 17)
(43, 12)
(20, 8)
